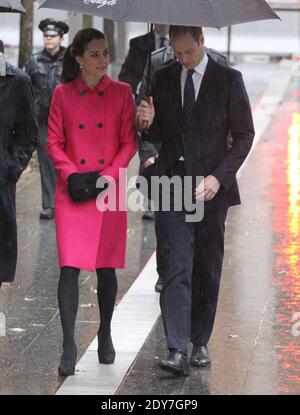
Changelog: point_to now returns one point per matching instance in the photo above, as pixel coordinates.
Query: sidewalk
(252, 347)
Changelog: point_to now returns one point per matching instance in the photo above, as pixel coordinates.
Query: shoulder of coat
(217, 56)
(33, 59)
(226, 71)
(20, 77)
(140, 40)
(168, 69)
(66, 86)
(36, 55)
(63, 88)
(121, 86)
(18, 73)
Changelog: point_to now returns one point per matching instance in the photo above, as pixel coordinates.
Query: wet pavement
(255, 347)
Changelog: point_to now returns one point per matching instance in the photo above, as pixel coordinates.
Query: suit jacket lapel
(177, 97)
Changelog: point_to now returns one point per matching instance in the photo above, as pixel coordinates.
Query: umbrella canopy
(209, 13)
(11, 6)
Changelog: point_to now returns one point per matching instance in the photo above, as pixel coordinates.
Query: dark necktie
(162, 41)
(189, 98)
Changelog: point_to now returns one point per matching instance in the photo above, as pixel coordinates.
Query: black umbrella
(209, 13)
(11, 6)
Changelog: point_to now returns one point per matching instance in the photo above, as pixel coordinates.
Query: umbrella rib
(214, 14)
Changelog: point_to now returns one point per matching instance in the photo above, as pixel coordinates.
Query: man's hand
(207, 189)
(145, 114)
(149, 161)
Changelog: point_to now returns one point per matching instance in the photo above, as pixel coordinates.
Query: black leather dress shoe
(47, 214)
(148, 215)
(200, 356)
(159, 285)
(177, 363)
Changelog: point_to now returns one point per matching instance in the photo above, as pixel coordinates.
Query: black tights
(68, 298)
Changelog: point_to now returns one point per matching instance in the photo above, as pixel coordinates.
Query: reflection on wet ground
(285, 196)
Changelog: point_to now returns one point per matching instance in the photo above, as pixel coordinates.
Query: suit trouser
(48, 176)
(162, 250)
(189, 297)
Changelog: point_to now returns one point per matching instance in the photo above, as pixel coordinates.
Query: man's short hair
(194, 31)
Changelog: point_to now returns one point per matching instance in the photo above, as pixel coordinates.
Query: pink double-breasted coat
(90, 130)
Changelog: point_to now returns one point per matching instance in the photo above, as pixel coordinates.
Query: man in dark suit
(148, 151)
(197, 102)
(140, 47)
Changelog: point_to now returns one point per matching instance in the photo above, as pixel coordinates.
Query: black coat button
(82, 161)
(100, 125)
(101, 161)
(100, 93)
(81, 126)
(82, 94)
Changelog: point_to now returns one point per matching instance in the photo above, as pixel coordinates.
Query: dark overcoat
(18, 139)
(45, 74)
(133, 68)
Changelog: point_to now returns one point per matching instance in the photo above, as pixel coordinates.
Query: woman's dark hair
(71, 68)
(194, 31)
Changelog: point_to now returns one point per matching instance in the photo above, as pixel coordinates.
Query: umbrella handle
(148, 77)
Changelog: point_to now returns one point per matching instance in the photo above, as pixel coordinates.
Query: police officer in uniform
(44, 69)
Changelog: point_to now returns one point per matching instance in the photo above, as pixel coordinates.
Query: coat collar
(82, 87)
(10, 70)
(45, 55)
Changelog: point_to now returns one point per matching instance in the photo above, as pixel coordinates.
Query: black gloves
(82, 186)
(78, 188)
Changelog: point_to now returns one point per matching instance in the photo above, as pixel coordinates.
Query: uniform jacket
(18, 139)
(90, 130)
(45, 74)
(222, 106)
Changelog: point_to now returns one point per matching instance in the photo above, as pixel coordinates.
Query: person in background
(91, 135)
(44, 69)
(133, 68)
(18, 140)
(140, 48)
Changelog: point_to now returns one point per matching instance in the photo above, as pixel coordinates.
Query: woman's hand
(78, 187)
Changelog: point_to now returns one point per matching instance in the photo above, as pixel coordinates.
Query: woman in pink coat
(91, 134)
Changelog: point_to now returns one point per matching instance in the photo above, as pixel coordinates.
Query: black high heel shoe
(68, 362)
(106, 351)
